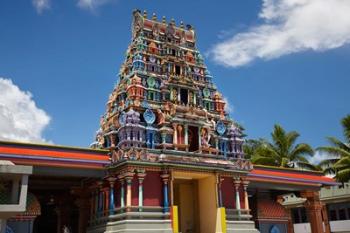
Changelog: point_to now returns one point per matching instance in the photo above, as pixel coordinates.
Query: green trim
(287, 169)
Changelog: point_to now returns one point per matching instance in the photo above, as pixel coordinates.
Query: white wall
(302, 228)
(340, 226)
(336, 226)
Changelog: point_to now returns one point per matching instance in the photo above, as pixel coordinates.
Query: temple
(167, 157)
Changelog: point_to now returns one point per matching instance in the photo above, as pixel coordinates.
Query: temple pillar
(111, 181)
(175, 134)
(219, 187)
(92, 206)
(186, 136)
(63, 214)
(141, 176)
(84, 203)
(165, 178)
(128, 177)
(290, 226)
(100, 199)
(84, 206)
(237, 184)
(199, 139)
(96, 207)
(246, 198)
(106, 201)
(325, 219)
(122, 193)
(313, 208)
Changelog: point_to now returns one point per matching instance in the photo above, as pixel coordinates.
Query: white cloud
(92, 5)
(289, 26)
(319, 156)
(20, 118)
(228, 106)
(41, 5)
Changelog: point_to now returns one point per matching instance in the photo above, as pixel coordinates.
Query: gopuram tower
(177, 163)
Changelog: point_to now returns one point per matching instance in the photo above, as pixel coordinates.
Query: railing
(130, 212)
(238, 215)
(335, 191)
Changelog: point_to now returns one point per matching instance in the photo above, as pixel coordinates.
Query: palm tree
(251, 146)
(339, 162)
(283, 151)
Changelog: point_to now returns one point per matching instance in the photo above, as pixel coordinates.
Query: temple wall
(135, 191)
(153, 189)
(228, 194)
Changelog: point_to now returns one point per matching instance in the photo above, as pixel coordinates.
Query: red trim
(53, 153)
(278, 174)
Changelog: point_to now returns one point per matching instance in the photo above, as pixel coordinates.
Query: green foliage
(282, 151)
(339, 152)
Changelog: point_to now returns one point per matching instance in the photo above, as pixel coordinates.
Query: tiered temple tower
(177, 158)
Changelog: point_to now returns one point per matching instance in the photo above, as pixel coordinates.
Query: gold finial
(163, 19)
(181, 24)
(154, 17)
(145, 14)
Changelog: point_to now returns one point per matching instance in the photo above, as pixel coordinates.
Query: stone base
(133, 226)
(241, 227)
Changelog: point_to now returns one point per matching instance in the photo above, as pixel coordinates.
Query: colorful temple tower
(173, 147)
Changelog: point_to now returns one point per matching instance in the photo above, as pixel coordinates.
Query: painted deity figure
(174, 95)
(204, 137)
(161, 117)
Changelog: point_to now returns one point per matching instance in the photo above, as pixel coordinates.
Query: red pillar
(313, 208)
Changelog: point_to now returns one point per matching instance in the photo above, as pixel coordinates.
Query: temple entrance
(193, 138)
(195, 196)
(186, 198)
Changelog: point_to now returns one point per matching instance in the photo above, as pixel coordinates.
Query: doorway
(193, 138)
(195, 196)
(186, 198)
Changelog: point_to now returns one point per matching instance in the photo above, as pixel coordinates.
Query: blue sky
(68, 55)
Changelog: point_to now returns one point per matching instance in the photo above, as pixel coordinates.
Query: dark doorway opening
(184, 96)
(193, 138)
(177, 70)
(47, 221)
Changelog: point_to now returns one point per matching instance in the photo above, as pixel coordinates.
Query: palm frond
(334, 151)
(301, 149)
(264, 161)
(337, 143)
(328, 162)
(343, 175)
(308, 166)
(346, 127)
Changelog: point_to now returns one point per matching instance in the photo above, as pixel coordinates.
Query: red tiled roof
(268, 209)
(261, 173)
